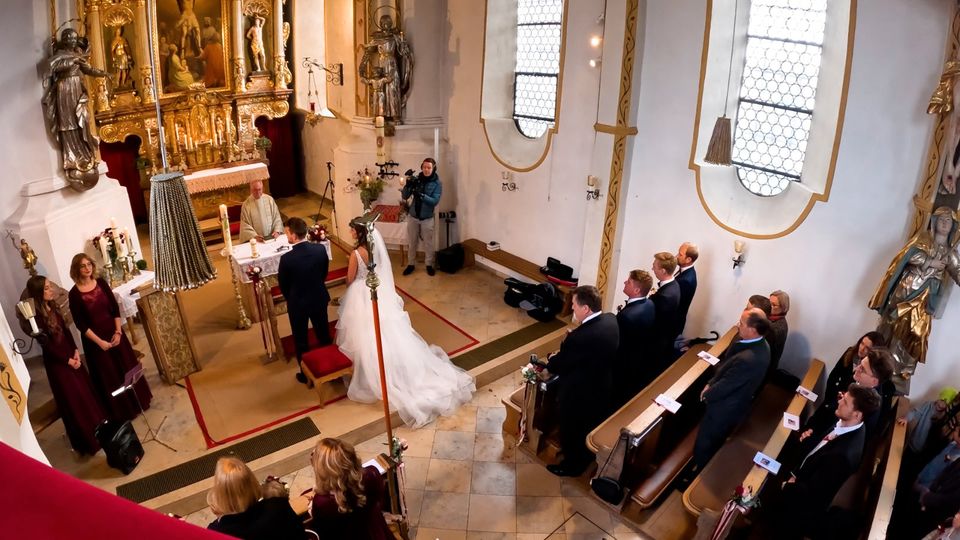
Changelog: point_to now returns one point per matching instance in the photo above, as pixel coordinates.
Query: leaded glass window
(538, 65)
(777, 92)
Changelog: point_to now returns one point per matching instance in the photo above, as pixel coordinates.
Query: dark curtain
(286, 170)
(121, 160)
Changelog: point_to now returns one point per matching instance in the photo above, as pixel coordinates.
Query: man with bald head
(259, 216)
(730, 392)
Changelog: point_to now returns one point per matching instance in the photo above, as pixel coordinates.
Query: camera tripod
(333, 204)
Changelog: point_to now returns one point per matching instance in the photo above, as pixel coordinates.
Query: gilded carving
(12, 390)
(619, 148)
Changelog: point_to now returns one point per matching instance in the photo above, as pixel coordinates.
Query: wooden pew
(661, 443)
(891, 475)
(527, 269)
(762, 431)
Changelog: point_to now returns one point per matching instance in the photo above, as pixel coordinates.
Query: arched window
(777, 92)
(539, 31)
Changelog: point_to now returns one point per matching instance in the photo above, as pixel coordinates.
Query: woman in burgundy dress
(109, 354)
(348, 500)
(71, 385)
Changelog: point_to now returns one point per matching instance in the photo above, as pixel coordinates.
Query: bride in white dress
(421, 381)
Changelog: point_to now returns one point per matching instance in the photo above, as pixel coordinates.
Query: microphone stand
(333, 204)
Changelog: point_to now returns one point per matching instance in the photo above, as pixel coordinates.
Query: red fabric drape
(121, 160)
(286, 171)
(42, 503)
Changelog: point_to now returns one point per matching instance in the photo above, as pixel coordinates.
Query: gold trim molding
(620, 131)
(831, 169)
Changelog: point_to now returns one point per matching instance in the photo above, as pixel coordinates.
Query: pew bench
(661, 443)
(890, 476)
(473, 248)
(762, 431)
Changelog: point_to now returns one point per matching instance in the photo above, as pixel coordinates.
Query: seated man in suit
(259, 216)
(584, 365)
(687, 279)
(730, 392)
(302, 277)
(779, 306)
(666, 302)
(828, 459)
(634, 359)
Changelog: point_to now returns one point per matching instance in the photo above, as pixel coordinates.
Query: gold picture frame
(200, 28)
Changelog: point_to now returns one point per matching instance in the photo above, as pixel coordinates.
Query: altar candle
(121, 246)
(129, 239)
(223, 211)
(253, 248)
(103, 250)
(225, 229)
(378, 122)
(113, 223)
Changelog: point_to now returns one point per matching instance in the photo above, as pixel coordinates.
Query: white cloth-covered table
(214, 179)
(268, 259)
(393, 233)
(128, 301)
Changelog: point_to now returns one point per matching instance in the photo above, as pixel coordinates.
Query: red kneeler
(324, 365)
(290, 349)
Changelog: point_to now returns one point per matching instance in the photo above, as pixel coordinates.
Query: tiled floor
(464, 479)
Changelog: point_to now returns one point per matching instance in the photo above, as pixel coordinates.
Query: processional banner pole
(373, 281)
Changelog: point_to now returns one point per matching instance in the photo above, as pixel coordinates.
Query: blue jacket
(426, 195)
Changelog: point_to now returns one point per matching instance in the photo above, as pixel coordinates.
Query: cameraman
(425, 189)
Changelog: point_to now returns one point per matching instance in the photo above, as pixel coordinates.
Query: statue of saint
(258, 57)
(65, 106)
(378, 84)
(122, 58)
(389, 50)
(911, 290)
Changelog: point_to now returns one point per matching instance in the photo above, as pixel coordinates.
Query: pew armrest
(891, 474)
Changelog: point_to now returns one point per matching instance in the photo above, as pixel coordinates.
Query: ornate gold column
(144, 39)
(97, 59)
(280, 69)
(239, 65)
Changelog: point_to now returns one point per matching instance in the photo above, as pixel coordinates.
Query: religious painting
(191, 44)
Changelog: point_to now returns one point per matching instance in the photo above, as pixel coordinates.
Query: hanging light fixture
(720, 148)
(180, 258)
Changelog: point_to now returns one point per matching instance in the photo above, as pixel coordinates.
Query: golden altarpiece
(220, 65)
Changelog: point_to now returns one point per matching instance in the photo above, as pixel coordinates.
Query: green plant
(370, 191)
(142, 163)
(263, 143)
(141, 264)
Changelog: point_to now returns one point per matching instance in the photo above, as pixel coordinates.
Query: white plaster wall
(17, 435)
(831, 264)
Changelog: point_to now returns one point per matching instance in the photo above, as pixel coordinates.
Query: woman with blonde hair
(241, 512)
(348, 499)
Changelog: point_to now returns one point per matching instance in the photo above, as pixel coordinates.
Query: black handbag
(609, 489)
(121, 445)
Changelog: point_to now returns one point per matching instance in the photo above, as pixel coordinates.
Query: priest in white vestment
(259, 215)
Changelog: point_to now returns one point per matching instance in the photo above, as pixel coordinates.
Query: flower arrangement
(112, 244)
(317, 233)
(369, 186)
(531, 373)
(744, 498)
(398, 447)
(254, 273)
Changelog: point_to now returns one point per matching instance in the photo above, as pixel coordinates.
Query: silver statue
(389, 50)
(65, 104)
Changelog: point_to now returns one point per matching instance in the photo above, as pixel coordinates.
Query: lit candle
(253, 248)
(378, 121)
(121, 246)
(113, 223)
(225, 229)
(223, 211)
(129, 239)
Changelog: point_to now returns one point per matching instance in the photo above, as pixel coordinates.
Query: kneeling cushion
(325, 361)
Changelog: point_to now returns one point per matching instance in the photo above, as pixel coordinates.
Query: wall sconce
(738, 258)
(334, 71)
(595, 41)
(594, 193)
(594, 62)
(26, 308)
(508, 184)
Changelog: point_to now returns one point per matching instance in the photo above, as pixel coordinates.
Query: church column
(279, 58)
(98, 60)
(145, 84)
(239, 64)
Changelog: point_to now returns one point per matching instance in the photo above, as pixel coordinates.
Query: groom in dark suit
(828, 459)
(302, 278)
(635, 355)
(584, 365)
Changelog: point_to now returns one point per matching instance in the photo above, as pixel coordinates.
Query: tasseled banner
(180, 257)
(720, 149)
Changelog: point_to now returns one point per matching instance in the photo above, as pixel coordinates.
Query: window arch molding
(507, 144)
(725, 199)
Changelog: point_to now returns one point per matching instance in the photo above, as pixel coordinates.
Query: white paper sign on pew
(807, 394)
(667, 403)
(767, 462)
(708, 358)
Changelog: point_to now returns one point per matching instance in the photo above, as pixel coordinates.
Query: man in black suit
(828, 459)
(634, 359)
(666, 302)
(686, 278)
(584, 365)
(730, 392)
(302, 278)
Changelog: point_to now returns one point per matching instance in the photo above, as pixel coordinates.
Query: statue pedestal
(414, 140)
(59, 222)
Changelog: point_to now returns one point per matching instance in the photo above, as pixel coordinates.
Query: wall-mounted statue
(389, 50)
(911, 290)
(65, 106)
(122, 59)
(258, 58)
